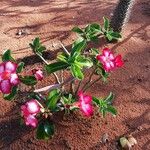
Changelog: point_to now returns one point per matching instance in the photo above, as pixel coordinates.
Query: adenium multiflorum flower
(85, 104)
(8, 76)
(109, 61)
(29, 111)
(38, 73)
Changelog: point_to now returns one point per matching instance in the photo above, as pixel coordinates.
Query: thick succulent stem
(121, 14)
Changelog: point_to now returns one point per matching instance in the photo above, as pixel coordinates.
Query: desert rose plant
(38, 109)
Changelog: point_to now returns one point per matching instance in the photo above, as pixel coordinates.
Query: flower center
(5, 75)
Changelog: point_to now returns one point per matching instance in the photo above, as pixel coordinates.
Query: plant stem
(72, 87)
(79, 84)
(89, 80)
(64, 48)
(88, 86)
(54, 86)
(55, 75)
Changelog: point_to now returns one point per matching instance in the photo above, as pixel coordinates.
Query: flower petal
(118, 61)
(5, 86)
(10, 66)
(33, 107)
(31, 120)
(14, 79)
(2, 67)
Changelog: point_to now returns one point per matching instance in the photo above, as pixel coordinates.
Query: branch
(55, 75)
(54, 86)
(64, 48)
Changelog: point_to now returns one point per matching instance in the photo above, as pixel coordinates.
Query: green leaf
(109, 37)
(109, 98)
(95, 27)
(77, 30)
(56, 66)
(52, 99)
(77, 72)
(7, 56)
(63, 57)
(115, 35)
(84, 62)
(36, 46)
(28, 80)
(78, 47)
(106, 24)
(112, 110)
(96, 100)
(95, 51)
(20, 67)
(12, 95)
(36, 96)
(41, 49)
(45, 130)
(36, 42)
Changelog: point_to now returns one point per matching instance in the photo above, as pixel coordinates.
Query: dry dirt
(52, 21)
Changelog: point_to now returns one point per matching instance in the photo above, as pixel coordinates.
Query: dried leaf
(125, 143)
(132, 140)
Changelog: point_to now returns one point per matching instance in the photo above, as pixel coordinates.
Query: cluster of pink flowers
(109, 61)
(8, 76)
(38, 74)
(29, 112)
(85, 104)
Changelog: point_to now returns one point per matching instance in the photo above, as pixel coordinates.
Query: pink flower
(109, 61)
(8, 76)
(85, 104)
(38, 74)
(31, 120)
(29, 111)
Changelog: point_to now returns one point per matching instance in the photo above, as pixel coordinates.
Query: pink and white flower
(85, 104)
(8, 76)
(109, 61)
(29, 111)
(38, 74)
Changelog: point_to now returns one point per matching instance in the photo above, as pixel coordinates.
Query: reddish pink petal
(87, 99)
(31, 120)
(24, 111)
(14, 79)
(10, 66)
(5, 86)
(118, 61)
(2, 67)
(106, 52)
(38, 75)
(87, 109)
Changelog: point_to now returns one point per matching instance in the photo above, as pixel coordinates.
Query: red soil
(52, 21)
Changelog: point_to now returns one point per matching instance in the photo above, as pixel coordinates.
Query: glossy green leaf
(96, 100)
(56, 66)
(62, 57)
(109, 98)
(28, 80)
(12, 95)
(109, 37)
(115, 35)
(45, 130)
(78, 47)
(112, 110)
(106, 24)
(20, 67)
(84, 62)
(77, 72)
(52, 99)
(77, 30)
(7, 56)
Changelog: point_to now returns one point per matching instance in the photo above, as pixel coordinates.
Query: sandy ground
(52, 21)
